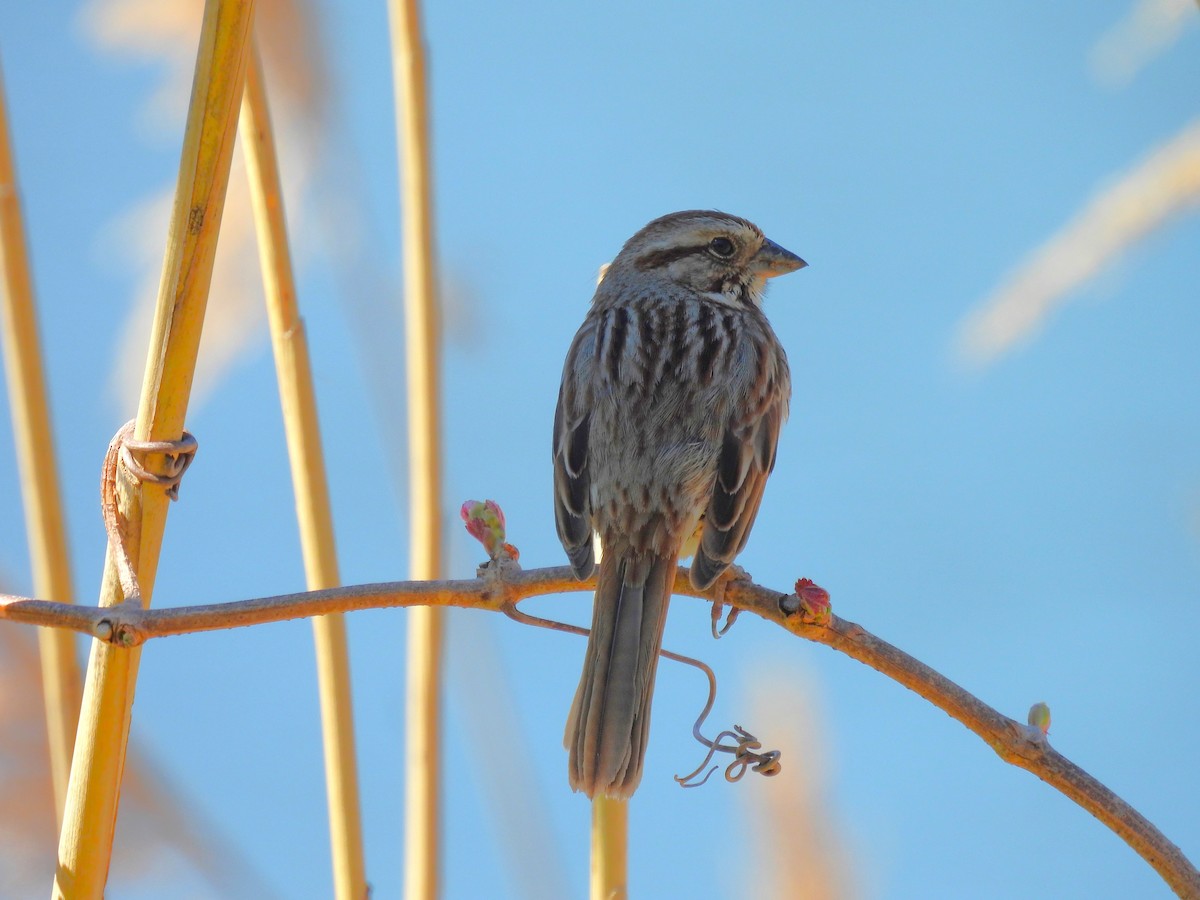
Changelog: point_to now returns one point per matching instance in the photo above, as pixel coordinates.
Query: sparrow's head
(720, 256)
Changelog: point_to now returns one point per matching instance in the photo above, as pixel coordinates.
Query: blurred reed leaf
(1138, 202)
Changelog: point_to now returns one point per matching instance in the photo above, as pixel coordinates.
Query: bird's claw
(733, 573)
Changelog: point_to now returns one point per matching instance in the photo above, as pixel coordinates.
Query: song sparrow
(672, 397)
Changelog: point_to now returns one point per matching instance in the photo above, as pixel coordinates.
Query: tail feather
(609, 722)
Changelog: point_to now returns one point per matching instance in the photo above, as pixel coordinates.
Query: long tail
(610, 716)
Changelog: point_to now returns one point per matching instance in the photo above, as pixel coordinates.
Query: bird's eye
(722, 247)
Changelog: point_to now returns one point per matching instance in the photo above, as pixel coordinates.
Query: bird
(673, 394)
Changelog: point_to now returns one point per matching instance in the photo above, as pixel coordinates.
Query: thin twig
(1013, 741)
(745, 750)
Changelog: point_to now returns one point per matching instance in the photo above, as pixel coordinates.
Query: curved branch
(1021, 745)
(502, 585)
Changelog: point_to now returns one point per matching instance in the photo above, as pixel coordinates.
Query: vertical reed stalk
(610, 837)
(85, 844)
(425, 483)
(610, 842)
(49, 557)
(298, 400)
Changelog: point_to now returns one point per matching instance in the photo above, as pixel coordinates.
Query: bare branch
(502, 586)
(1022, 745)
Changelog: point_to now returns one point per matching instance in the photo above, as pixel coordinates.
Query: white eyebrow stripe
(694, 242)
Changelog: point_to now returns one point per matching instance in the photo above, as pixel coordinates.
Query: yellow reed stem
(300, 421)
(425, 483)
(610, 841)
(85, 844)
(610, 837)
(49, 558)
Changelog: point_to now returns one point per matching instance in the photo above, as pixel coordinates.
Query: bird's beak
(772, 260)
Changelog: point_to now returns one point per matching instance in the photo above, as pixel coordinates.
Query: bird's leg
(733, 573)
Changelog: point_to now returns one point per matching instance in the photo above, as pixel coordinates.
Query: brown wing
(746, 459)
(572, 484)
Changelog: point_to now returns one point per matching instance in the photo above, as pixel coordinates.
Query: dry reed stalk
(610, 847)
(422, 327)
(49, 557)
(85, 843)
(798, 849)
(497, 749)
(301, 425)
(610, 840)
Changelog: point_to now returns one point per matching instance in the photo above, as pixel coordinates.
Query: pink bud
(814, 600)
(495, 509)
(485, 522)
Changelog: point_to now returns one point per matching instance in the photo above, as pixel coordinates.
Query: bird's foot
(733, 573)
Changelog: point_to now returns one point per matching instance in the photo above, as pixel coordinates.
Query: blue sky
(1031, 529)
